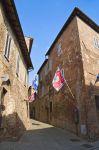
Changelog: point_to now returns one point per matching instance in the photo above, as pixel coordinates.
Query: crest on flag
(31, 98)
(58, 80)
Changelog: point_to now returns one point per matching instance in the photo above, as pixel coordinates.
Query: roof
(12, 16)
(44, 63)
(82, 16)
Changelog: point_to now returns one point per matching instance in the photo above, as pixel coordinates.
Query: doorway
(97, 106)
(3, 92)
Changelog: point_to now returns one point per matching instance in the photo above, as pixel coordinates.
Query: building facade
(76, 51)
(15, 63)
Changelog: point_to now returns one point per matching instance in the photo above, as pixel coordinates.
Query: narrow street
(46, 137)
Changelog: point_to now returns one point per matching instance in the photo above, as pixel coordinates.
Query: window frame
(97, 102)
(7, 46)
(62, 72)
(59, 49)
(42, 90)
(51, 106)
(96, 42)
(50, 64)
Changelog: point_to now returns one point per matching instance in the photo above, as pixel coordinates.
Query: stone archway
(3, 92)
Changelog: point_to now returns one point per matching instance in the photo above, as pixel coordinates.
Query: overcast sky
(43, 19)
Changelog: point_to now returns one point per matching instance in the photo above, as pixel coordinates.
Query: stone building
(31, 109)
(76, 51)
(15, 64)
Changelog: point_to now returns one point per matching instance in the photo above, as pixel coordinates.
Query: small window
(96, 42)
(59, 49)
(62, 71)
(7, 46)
(50, 107)
(50, 64)
(17, 67)
(97, 102)
(42, 90)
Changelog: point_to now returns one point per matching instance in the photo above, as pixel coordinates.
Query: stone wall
(90, 58)
(79, 59)
(63, 104)
(15, 114)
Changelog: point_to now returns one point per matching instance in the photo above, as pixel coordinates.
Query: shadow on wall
(70, 119)
(92, 110)
(11, 126)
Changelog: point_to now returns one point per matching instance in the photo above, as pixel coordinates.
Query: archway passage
(3, 92)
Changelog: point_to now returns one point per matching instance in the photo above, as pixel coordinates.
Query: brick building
(15, 63)
(76, 51)
(31, 108)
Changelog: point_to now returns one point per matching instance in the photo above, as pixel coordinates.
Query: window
(17, 67)
(97, 102)
(50, 107)
(62, 71)
(42, 90)
(50, 64)
(7, 46)
(96, 42)
(59, 49)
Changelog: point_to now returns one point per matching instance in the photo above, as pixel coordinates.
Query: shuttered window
(97, 101)
(59, 49)
(62, 71)
(7, 46)
(50, 64)
(50, 107)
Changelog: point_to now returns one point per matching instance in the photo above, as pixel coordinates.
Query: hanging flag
(35, 84)
(58, 80)
(97, 78)
(31, 98)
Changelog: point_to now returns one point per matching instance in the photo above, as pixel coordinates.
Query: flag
(35, 84)
(58, 80)
(31, 98)
(97, 78)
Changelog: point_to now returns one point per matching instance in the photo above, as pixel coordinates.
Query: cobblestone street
(46, 137)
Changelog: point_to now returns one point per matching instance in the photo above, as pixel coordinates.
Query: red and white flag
(58, 80)
(31, 98)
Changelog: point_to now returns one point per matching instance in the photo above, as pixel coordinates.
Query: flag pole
(69, 89)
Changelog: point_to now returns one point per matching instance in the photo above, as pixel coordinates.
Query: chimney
(29, 42)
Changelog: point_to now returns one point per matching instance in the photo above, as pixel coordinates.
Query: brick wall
(63, 105)
(15, 114)
(79, 59)
(90, 58)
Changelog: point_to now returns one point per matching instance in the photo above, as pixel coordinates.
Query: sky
(43, 19)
